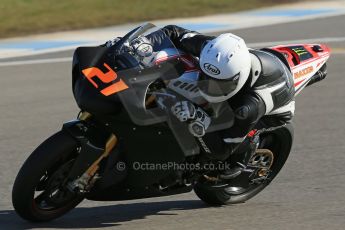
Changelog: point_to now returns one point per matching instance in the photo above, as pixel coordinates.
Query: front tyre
(280, 143)
(39, 191)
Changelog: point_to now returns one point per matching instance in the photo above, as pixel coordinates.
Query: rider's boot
(239, 158)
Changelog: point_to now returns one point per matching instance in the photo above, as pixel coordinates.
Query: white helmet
(225, 63)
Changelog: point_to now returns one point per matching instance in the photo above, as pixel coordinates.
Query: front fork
(95, 144)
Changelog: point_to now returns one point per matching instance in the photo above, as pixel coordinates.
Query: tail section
(307, 62)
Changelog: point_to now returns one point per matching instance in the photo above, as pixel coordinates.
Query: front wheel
(279, 142)
(39, 191)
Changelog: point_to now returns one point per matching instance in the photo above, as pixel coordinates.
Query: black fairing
(138, 144)
(86, 95)
(144, 145)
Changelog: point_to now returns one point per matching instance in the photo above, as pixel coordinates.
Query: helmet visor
(215, 87)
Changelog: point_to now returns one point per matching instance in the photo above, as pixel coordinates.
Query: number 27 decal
(106, 78)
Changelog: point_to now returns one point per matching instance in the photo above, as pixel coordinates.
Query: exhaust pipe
(320, 75)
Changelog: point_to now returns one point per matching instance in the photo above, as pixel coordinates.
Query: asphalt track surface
(309, 193)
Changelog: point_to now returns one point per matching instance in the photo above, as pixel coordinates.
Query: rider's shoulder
(271, 67)
(269, 62)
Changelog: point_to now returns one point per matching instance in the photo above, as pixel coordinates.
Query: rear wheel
(279, 143)
(39, 192)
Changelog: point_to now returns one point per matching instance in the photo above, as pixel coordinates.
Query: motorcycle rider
(256, 84)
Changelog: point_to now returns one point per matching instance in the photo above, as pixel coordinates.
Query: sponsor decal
(211, 69)
(300, 51)
(303, 72)
(204, 146)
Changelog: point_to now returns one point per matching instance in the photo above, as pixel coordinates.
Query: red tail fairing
(304, 60)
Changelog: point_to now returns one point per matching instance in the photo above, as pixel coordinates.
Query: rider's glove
(198, 119)
(200, 123)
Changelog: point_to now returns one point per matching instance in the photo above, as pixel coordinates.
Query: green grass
(23, 17)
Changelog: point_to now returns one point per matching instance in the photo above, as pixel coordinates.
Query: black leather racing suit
(266, 100)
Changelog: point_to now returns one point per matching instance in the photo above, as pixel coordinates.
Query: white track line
(259, 44)
(36, 61)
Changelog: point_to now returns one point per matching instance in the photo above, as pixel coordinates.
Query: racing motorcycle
(125, 144)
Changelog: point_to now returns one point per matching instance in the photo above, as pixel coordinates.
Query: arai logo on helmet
(211, 69)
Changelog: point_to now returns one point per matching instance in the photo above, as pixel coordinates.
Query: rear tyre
(38, 192)
(280, 143)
